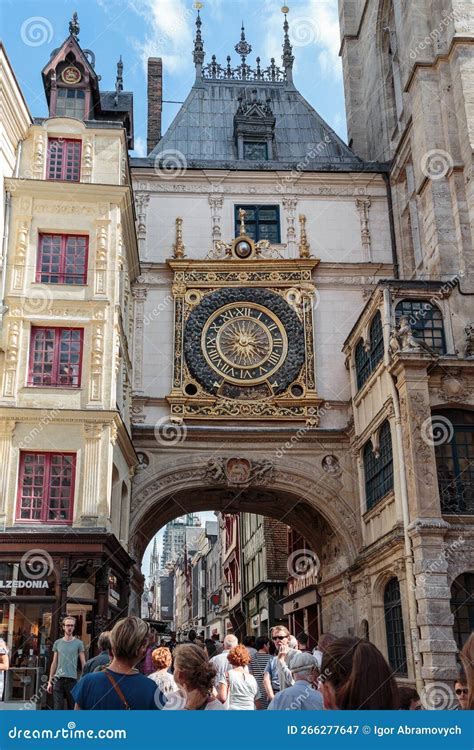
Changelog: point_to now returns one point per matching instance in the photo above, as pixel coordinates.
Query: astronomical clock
(243, 345)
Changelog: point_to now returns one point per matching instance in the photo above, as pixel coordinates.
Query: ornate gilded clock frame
(195, 281)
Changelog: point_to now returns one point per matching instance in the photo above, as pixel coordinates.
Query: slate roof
(203, 130)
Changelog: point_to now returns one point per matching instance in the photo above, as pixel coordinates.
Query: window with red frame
(46, 487)
(62, 259)
(56, 357)
(64, 159)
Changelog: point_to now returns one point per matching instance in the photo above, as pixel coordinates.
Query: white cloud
(140, 147)
(170, 25)
(314, 25)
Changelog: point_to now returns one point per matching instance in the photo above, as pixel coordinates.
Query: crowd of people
(135, 670)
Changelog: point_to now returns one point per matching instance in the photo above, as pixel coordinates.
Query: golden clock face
(244, 343)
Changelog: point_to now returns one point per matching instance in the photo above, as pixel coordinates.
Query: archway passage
(328, 542)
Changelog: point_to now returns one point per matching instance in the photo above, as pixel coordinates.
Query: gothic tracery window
(367, 361)
(378, 467)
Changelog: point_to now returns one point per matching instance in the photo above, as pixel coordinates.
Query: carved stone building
(66, 456)
(299, 319)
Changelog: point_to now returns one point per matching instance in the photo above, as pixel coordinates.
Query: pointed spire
(74, 27)
(198, 52)
(287, 56)
(119, 79)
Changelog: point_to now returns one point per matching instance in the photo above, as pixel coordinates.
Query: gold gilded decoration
(193, 297)
(245, 343)
(178, 247)
(242, 214)
(71, 75)
(304, 245)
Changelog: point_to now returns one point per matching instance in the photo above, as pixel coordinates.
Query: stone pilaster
(289, 204)
(139, 294)
(91, 470)
(433, 594)
(7, 429)
(102, 247)
(216, 202)
(410, 370)
(363, 205)
(11, 359)
(21, 249)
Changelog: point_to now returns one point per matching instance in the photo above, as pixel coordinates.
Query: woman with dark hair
(354, 676)
(195, 679)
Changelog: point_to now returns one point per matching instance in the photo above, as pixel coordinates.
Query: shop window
(71, 103)
(454, 452)
(56, 357)
(62, 259)
(462, 607)
(261, 222)
(64, 159)
(394, 626)
(426, 322)
(378, 469)
(46, 487)
(367, 361)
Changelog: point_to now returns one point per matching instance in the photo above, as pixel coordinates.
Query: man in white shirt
(220, 661)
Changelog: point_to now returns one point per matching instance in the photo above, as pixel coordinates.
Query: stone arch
(313, 506)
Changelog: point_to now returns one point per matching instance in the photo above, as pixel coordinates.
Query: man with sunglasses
(281, 638)
(63, 672)
(461, 690)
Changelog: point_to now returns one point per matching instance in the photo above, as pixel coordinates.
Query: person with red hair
(238, 688)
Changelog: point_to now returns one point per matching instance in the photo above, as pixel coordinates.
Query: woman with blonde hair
(161, 659)
(121, 686)
(237, 687)
(195, 678)
(467, 660)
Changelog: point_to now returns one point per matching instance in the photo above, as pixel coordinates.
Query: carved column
(141, 202)
(289, 204)
(91, 469)
(21, 249)
(7, 429)
(363, 205)
(139, 294)
(39, 153)
(87, 160)
(97, 364)
(11, 359)
(102, 248)
(215, 202)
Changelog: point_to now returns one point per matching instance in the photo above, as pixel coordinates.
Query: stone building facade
(250, 202)
(66, 456)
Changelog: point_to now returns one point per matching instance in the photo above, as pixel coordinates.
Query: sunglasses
(461, 691)
(280, 637)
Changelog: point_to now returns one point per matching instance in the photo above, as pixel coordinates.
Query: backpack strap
(118, 690)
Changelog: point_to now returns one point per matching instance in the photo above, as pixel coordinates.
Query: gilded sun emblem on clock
(244, 343)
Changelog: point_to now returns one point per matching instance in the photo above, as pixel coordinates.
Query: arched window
(378, 469)
(462, 607)
(426, 322)
(453, 433)
(392, 603)
(366, 362)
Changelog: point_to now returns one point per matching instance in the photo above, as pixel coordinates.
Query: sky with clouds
(138, 29)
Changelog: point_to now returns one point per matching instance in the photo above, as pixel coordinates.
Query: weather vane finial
(74, 27)
(198, 52)
(287, 57)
